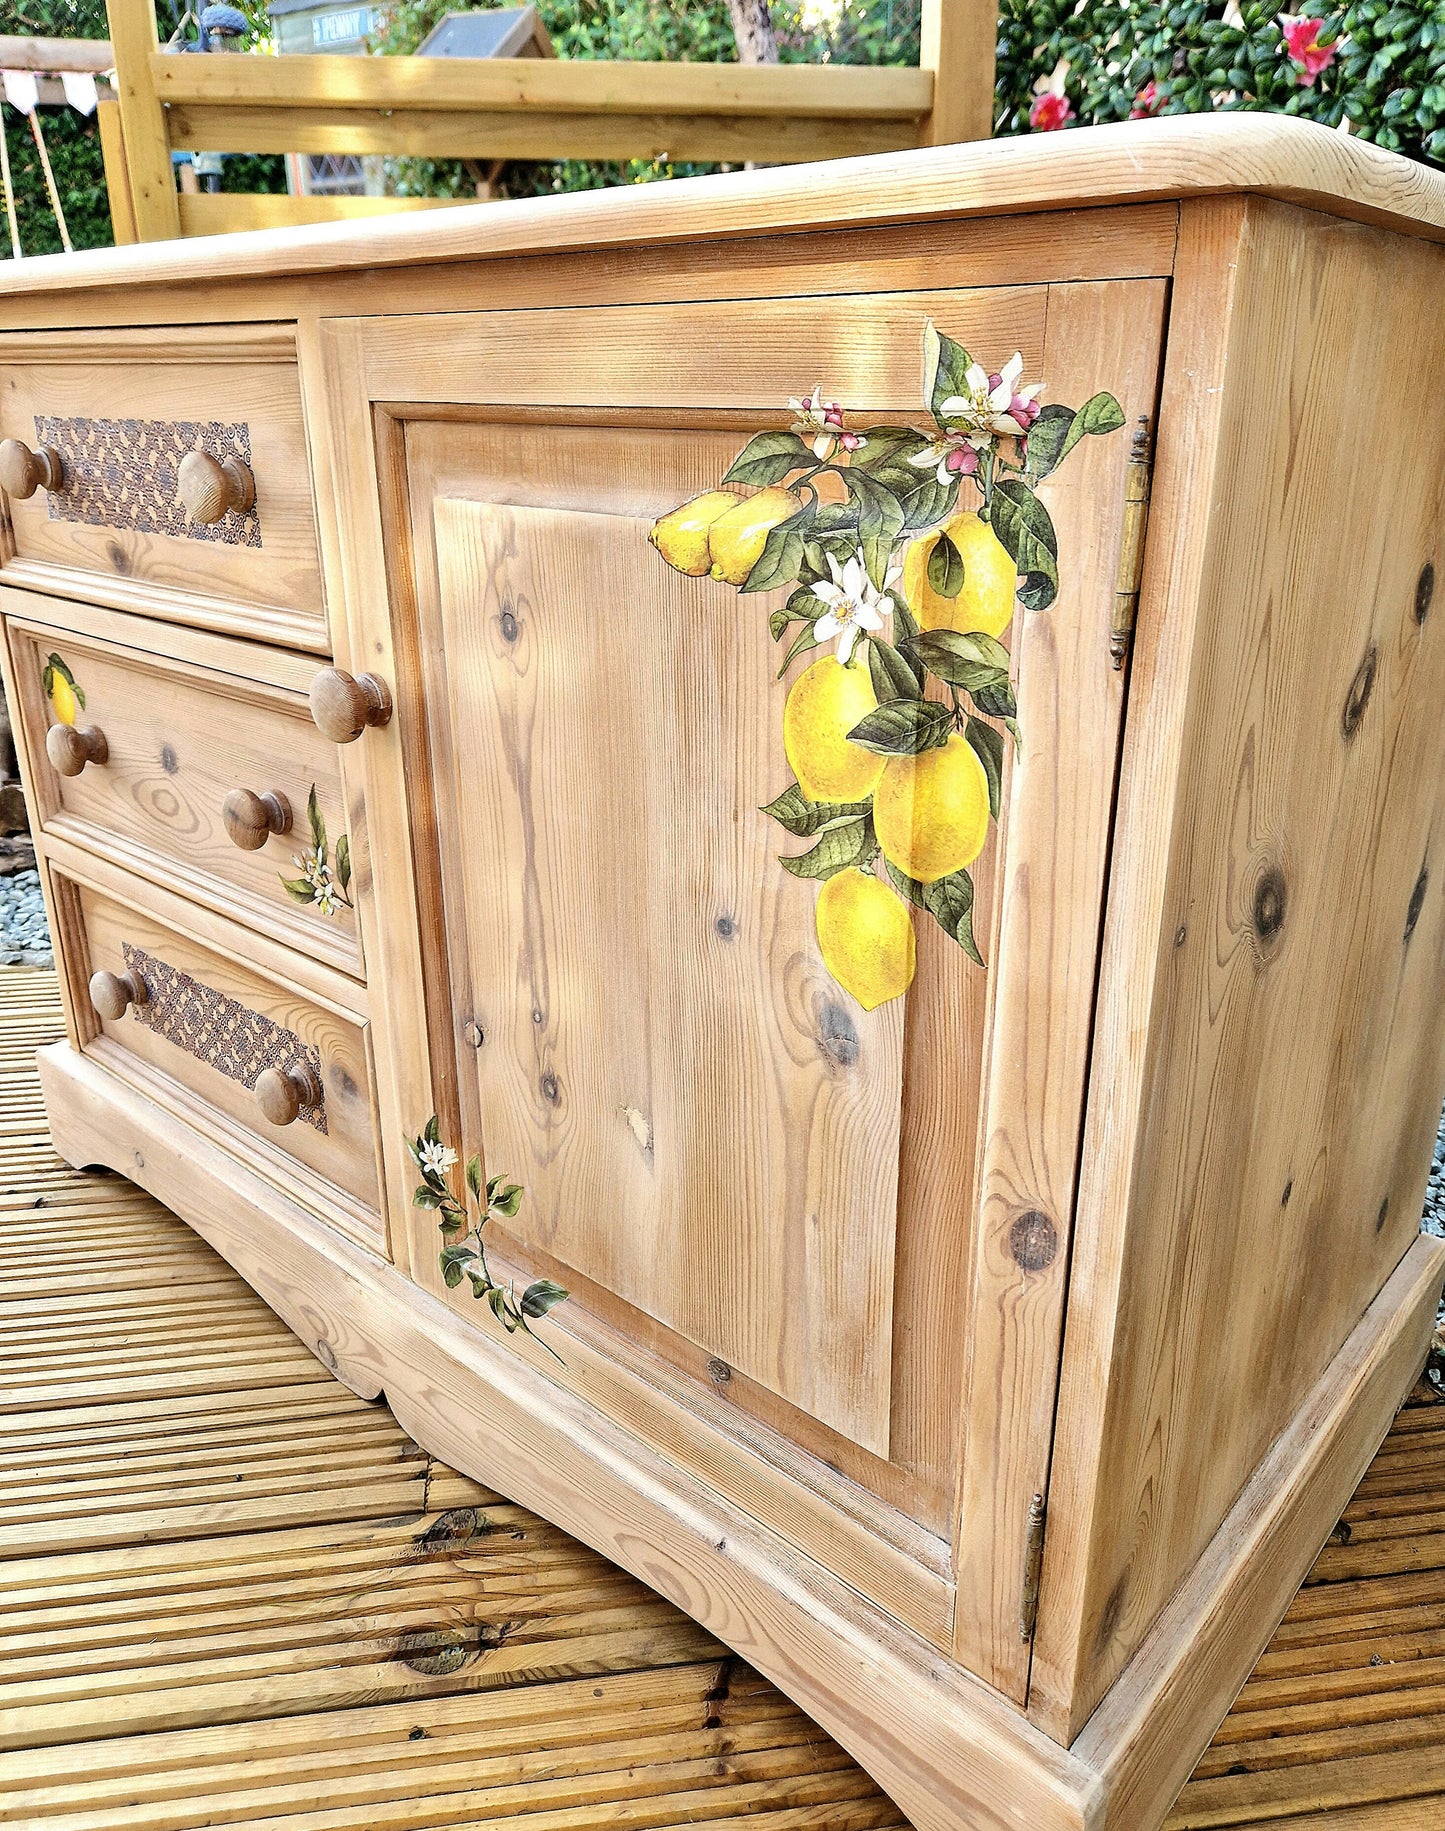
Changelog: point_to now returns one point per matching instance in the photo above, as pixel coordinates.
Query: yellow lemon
(681, 537)
(737, 539)
(62, 697)
(824, 704)
(986, 598)
(930, 812)
(866, 936)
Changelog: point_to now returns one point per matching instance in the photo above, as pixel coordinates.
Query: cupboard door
(730, 1157)
(704, 1123)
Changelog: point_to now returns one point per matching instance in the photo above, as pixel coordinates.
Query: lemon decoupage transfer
(66, 695)
(907, 551)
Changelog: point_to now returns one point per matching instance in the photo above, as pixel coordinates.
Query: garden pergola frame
(512, 108)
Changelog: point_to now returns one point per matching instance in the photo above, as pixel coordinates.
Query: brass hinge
(1131, 545)
(1033, 1564)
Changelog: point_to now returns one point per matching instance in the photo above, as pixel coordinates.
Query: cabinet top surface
(1175, 158)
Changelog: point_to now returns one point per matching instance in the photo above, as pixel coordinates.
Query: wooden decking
(233, 1594)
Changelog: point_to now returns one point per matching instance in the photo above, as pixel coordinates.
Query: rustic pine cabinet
(977, 1102)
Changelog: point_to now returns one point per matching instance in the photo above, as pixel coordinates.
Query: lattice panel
(218, 1030)
(122, 474)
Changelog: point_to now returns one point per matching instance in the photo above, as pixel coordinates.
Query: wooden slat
(1341, 1727)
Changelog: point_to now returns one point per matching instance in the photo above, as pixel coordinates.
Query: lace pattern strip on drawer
(217, 1030)
(122, 474)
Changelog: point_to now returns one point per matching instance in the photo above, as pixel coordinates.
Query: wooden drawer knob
(71, 747)
(251, 819)
(282, 1092)
(209, 488)
(113, 994)
(23, 471)
(342, 708)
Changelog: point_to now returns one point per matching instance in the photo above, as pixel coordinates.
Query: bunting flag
(79, 88)
(22, 90)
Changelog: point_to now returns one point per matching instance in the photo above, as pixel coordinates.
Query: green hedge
(1387, 78)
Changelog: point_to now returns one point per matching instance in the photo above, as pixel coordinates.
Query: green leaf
(848, 843)
(422, 1197)
(1046, 440)
(455, 1262)
(945, 367)
(994, 697)
(806, 638)
(317, 824)
(950, 903)
(796, 814)
(497, 1298)
(945, 568)
(987, 746)
(907, 887)
(343, 862)
(299, 889)
(959, 657)
(880, 522)
(474, 1176)
(928, 503)
(432, 1131)
(768, 458)
(782, 553)
(902, 727)
(508, 1201)
(1057, 430)
(891, 674)
(885, 457)
(540, 1297)
(452, 1226)
(1024, 528)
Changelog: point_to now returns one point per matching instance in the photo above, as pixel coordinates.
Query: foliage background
(1387, 82)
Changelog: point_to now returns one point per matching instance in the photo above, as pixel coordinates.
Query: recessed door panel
(704, 1124)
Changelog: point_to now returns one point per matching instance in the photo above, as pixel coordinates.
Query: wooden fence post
(959, 42)
(143, 123)
(117, 173)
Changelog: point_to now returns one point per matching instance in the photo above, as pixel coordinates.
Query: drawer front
(122, 422)
(217, 785)
(207, 1026)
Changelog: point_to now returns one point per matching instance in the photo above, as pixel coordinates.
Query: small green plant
(464, 1254)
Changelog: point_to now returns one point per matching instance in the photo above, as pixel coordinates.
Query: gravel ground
(24, 936)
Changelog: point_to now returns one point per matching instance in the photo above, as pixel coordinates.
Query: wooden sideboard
(983, 1350)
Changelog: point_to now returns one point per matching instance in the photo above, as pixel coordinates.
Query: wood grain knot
(725, 927)
(1033, 1240)
(1358, 697)
(1383, 1215)
(437, 1652)
(838, 1035)
(1270, 900)
(1288, 1192)
(1417, 902)
(551, 1089)
(1424, 591)
(326, 1354)
(719, 1372)
(473, 1034)
(449, 1531)
(170, 762)
(508, 621)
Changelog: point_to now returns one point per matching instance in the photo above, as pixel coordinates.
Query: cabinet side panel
(1269, 1065)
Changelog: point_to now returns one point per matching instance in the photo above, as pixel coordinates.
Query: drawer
(224, 1031)
(211, 771)
(104, 518)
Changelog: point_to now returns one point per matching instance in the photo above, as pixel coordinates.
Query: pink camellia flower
(1148, 102)
(1301, 39)
(1050, 111)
